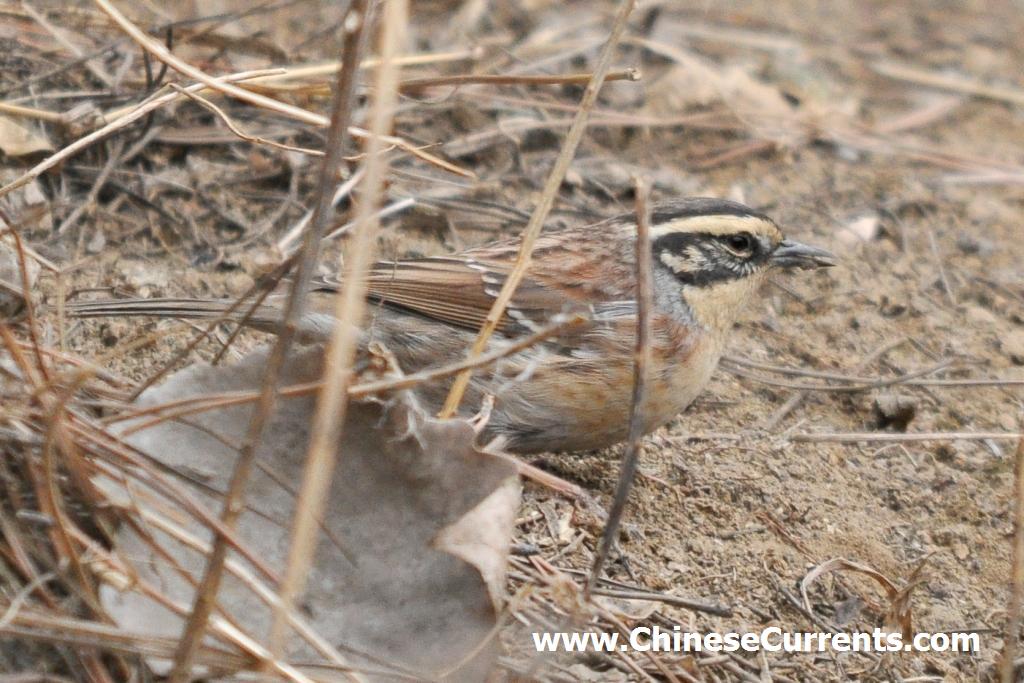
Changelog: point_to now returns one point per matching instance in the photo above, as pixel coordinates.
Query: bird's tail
(263, 317)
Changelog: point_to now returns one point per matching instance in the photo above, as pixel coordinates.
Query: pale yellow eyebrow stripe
(716, 225)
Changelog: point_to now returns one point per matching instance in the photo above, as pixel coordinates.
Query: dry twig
(641, 361)
(796, 399)
(506, 79)
(854, 437)
(350, 302)
(139, 111)
(547, 200)
(960, 84)
(206, 593)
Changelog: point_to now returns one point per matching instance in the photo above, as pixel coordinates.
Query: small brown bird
(572, 392)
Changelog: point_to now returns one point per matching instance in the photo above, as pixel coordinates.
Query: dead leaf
(17, 140)
(898, 613)
(409, 571)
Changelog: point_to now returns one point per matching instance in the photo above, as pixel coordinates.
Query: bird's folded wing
(460, 292)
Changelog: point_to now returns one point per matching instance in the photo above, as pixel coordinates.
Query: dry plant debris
(12, 286)
(412, 543)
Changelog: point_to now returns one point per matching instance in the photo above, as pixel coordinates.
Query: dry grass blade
(134, 114)
(30, 113)
(793, 401)
(19, 600)
(206, 594)
(960, 84)
(222, 85)
(288, 243)
(504, 79)
(909, 379)
(547, 200)
(90, 634)
(854, 437)
(234, 128)
(898, 612)
(309, 71)
(26, 294)
(905, 378)
(241, 572)
(641, 361)
(349, 306)
(161, 52)
(116, 147)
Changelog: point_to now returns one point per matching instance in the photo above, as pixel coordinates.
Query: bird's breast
(683, 361)
(580, 401)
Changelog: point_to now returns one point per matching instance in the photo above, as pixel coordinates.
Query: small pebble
(894, 411)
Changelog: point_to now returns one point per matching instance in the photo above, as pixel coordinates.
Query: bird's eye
(742, 243)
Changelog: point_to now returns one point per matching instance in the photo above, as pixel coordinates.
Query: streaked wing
(459, 292)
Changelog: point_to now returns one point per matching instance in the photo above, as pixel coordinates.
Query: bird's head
(718, 253)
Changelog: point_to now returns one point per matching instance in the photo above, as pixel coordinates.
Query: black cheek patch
(678, 242)
(711, 270)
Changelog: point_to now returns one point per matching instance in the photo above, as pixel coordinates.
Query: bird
(571, 392)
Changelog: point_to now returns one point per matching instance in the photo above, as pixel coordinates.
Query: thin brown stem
(234, 499)
(854, 437)
(505, 79)
(26, 295)
(544, 205)
(641, 361)
(134, 114)
(796, 399)
(350, 303)
(236, 129)
(840, 388)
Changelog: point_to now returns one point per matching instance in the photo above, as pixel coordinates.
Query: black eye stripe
(717, 259)
(677, 242)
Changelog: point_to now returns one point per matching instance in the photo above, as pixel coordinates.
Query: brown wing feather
(458, 292)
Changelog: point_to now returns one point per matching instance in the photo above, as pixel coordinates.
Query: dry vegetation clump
(854, 463)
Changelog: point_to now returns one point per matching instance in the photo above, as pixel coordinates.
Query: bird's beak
(790, 254)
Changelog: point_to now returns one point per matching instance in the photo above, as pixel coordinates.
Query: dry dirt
(727, 509)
